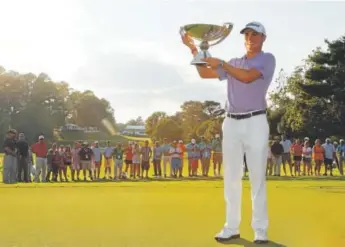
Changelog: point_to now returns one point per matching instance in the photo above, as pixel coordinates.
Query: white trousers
(250, 136)
(41, 169)
(166, 160)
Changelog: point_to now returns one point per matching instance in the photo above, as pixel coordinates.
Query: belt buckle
(246, 115)
(240, 116)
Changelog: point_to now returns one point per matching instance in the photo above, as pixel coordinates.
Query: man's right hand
(203, 70)
(188, 41)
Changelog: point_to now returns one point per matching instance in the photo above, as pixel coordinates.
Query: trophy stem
(198, 59)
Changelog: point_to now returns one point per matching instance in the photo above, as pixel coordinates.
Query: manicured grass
(161, 213)
(303, 211)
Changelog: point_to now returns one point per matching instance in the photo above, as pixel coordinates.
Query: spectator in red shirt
(297, 150)
(40, 149)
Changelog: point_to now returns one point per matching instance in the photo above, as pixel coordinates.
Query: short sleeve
(267, 66)
(222, 75)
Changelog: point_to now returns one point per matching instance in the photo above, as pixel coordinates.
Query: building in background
(134, 130)
(72, 127)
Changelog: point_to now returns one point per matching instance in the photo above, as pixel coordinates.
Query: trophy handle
(182, 32)
(227, 25)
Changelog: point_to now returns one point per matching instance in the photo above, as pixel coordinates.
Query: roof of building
(135, 127)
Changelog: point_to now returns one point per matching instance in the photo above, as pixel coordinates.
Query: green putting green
(307, 212)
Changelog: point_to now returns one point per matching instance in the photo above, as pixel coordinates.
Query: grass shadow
(245, 243)
(303, 178)
(123, 182)
(97, 183)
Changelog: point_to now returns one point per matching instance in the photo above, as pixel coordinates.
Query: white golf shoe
(227, 234)
(260, 236)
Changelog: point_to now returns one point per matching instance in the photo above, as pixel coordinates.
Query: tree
(326, 83)
(36, 104)
(168, 128)
(140, 121)
(210, 106)
(191, 116)
(89, 110)
(209, 128)
(310, 101)
(120, 126)
(153, 120)
(137, 121)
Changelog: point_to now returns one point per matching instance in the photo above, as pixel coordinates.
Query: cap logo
(253, 24)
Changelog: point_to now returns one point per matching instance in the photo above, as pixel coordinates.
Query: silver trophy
(205, 33)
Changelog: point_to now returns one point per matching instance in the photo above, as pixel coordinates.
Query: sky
(130, 52)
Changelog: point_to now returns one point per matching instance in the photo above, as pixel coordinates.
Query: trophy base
(198, 58)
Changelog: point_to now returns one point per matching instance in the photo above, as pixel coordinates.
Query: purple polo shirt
(247, 97)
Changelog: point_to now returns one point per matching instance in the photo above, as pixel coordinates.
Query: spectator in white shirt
(97, 160)
(329, 156)
(175, 154)
(108, 155)
(306, 157)
(286, 157)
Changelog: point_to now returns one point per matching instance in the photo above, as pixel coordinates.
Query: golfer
(245, 128)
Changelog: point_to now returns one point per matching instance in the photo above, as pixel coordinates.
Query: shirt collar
(257, 55)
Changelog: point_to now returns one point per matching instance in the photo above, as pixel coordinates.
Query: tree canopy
(195, 119)
(37, 105)
(311, 101)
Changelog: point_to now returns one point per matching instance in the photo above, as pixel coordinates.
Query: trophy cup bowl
(206, 33)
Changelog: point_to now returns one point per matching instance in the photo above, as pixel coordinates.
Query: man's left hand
(212, 62)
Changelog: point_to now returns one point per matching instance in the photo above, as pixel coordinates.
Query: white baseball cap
(256, 26)
(41, 137)
(180, 141)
